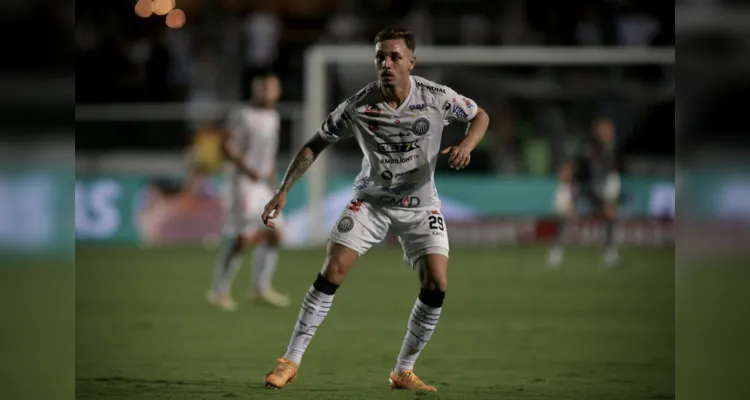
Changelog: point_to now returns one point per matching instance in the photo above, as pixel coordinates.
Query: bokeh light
(163, 7)
(176, 18)
(144, 8)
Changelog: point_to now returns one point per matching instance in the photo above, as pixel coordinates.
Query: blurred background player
(591, 176)
(250, 148)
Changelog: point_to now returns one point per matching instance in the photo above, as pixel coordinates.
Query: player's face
(605, 132)
(267, 90)
(393, 62)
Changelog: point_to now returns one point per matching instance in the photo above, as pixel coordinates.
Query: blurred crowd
(536, 112)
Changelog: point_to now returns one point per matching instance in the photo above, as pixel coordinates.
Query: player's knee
(249, 239)
(610, 212)
(335, 271)
(238, 243)
(339, 261)
(272, 238)
(436, 283)
(433, 272)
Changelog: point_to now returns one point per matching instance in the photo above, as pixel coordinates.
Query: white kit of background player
(250, 149)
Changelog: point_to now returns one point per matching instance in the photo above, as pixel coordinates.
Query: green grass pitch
(510, 328)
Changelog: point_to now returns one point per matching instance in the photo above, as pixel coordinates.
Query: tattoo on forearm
(297, 168)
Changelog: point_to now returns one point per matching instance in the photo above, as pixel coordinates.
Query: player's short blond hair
(396, 32)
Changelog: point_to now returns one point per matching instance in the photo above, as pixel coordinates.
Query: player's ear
(412, 62)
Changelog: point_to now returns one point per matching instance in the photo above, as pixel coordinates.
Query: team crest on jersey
(345, 224)
(420, 126)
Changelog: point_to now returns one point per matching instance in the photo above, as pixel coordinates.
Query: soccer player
(250, 148)
(591, 176)
(398, 122)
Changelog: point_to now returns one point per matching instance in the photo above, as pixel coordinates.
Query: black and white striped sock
(422, 321)
(314, 309)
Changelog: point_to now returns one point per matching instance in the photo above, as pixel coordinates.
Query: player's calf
(265, 259)
(315, 306)
(228, 263)
(609, 214)
(432, 270)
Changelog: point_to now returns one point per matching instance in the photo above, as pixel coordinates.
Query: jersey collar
(406, 101)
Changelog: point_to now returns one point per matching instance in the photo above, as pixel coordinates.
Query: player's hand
(273, 209)
(459, 156)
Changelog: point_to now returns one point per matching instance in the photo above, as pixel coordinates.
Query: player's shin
(228, 263)
(265, 258)
(422, 321)
(611, 256)
(314, 309)
(609, 233)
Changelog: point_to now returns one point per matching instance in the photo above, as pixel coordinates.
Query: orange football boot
(285, 372)
(409, 381)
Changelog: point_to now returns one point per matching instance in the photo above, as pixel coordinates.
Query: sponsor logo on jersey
(400, 160)
(387, 175)
(468, 102)
(409, 172)
(400, 134)
(401, 188)
(418, 106)
(408, 201)
(459, 112)
(430, 87)
(364, 183)
(404, 147)
(345, 224)
(421, 126)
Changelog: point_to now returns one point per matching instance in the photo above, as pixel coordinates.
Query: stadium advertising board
(140, 209)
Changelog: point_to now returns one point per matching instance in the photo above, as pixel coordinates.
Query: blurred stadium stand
(142, 89)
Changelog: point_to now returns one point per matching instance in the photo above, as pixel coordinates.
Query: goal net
(540, 100)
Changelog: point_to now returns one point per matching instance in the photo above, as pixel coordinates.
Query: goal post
(318, 58)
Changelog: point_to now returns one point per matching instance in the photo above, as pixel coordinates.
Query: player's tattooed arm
(302, 161)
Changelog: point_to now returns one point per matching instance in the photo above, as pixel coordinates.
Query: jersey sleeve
(339, 124)
(457, 107)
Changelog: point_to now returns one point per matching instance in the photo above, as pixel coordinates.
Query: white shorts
(244, 204)
(363, 225)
